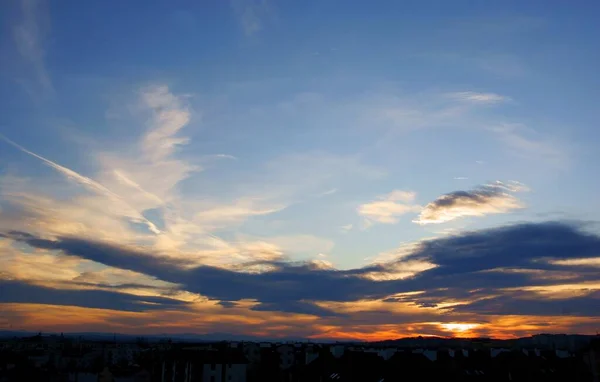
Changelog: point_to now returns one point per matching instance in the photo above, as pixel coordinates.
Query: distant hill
(214, 337)
(180, 337)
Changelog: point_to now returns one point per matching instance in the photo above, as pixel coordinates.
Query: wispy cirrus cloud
(466, 110)
(346, 228)
(138, 185)
(136, 196)
(29, 35)
(475, 97)
(527, 143)
(494, 198)
(388, 208)
(251, 14)
(18, 291)
(91, 185)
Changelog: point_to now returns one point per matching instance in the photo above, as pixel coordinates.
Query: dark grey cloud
(519, 245)
(526, 304)
(104, 253)
(227, 304)
(470, 266)
(477, 264)
(489, 199)
(295, 307)
(12, 291)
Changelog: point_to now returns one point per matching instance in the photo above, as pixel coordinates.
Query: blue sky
(274, 136)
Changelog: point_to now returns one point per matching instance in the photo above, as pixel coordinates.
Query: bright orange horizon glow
(51, 318)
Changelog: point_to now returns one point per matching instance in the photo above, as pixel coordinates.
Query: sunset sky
(317, 169)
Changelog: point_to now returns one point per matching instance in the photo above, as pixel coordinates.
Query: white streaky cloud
(138, 183)
(89, 215)
(389, 207)
(120, 176)
(579, 262)
(385, 211)
(225, 156)
(72, 175)
(259, 250)
(400, 196)
(292, 177)
(510, 186)
(396, 264)
(527, 143)
(293, 245)
(404, 250)
(170, 116)
(40, 265)
(400, 270)
(218, 216)
(328, 192)
(148, 174)
(403, 113)
(475, 97)
(494, 198)
(346, 228)
(46, 267)
(365, 224)
(460, 178)
(303, 244)
(461, 110)
(94, 218)
(29, 39)
(321, 264)
(91, 185)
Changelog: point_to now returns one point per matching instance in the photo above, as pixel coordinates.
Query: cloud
(328, 192)
(251, 14)
(474, 97)
(401, 196)
(89, 184)
(20, 292)
(528, 304)
(296, 175)
(468, 266)
(389, 207)
(586, 262)
(70, 174)
(148, 174)
(29, 36)
(138, 186)
(295, 282)
(397, 114)
(306, 244)
(527, 143)
(225, 156)
(495, 198)
(237, 211)
(227, 304)
(346, 228)
(170, 116)
(493, 262)
(300, 307)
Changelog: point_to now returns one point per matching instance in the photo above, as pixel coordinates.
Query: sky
(315, 169)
